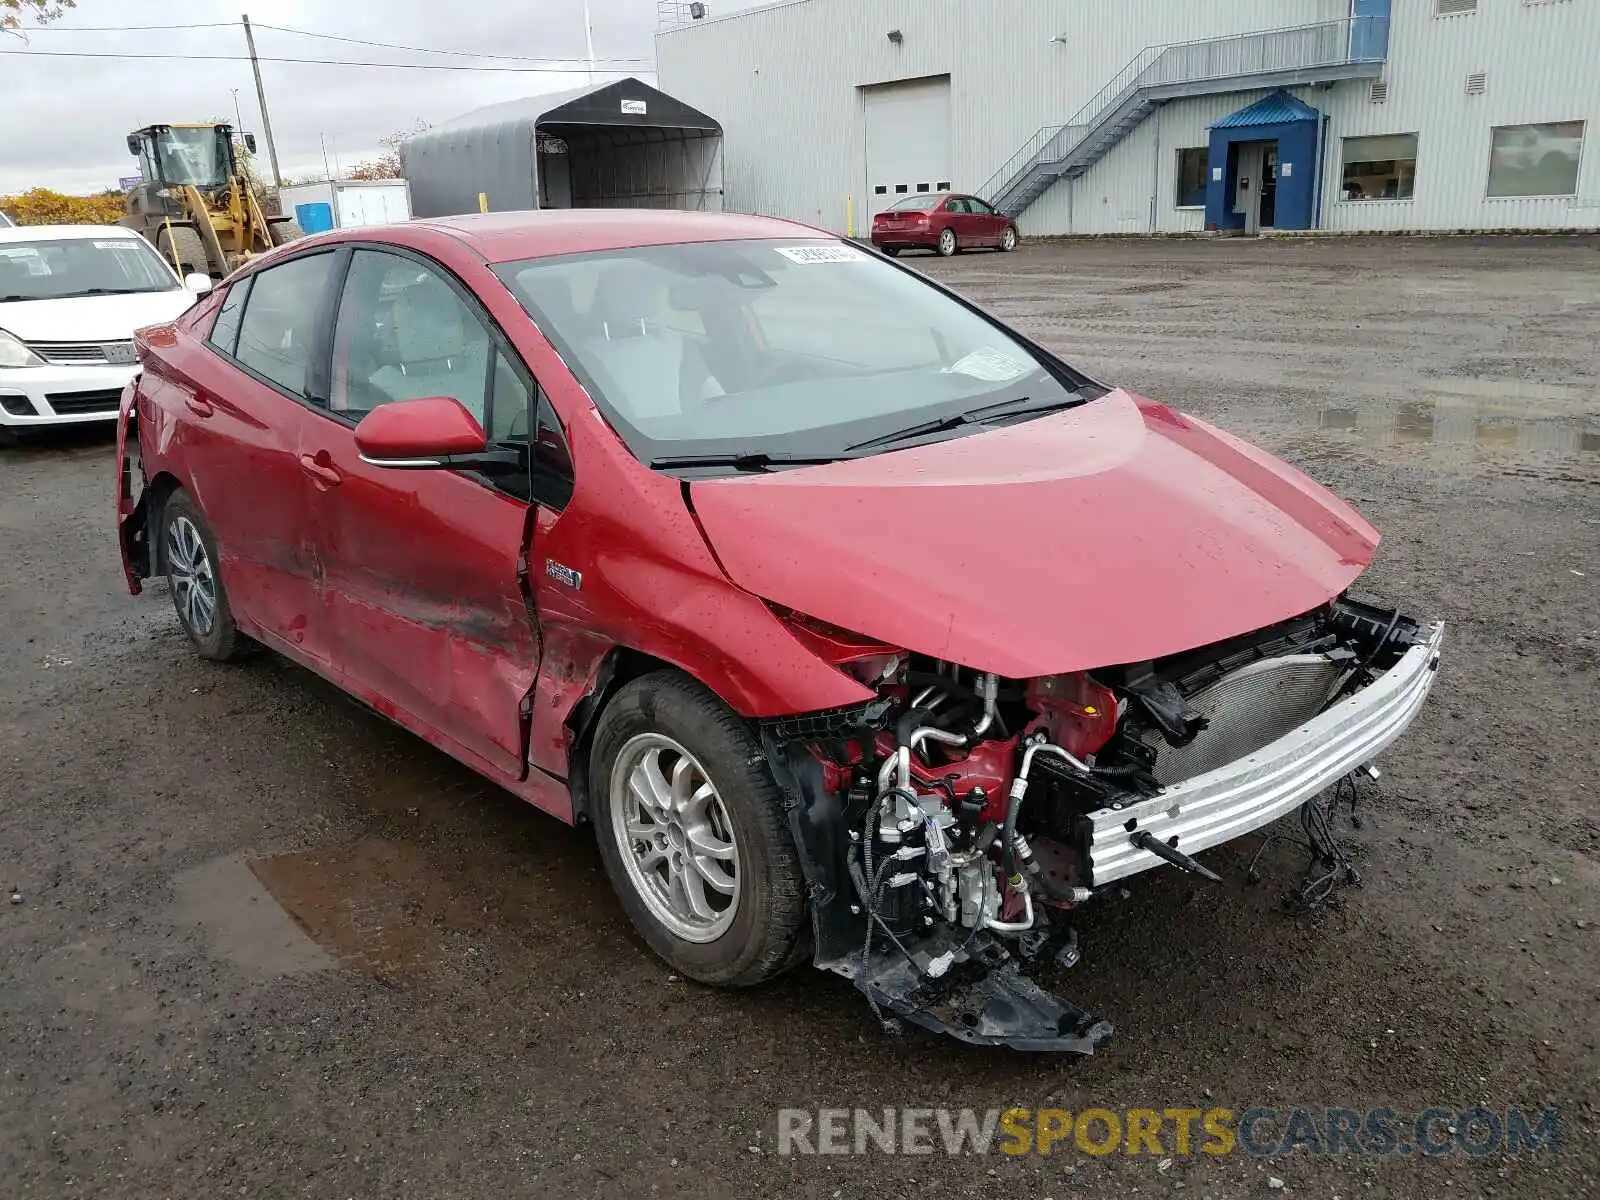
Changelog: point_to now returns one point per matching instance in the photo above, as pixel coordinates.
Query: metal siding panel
(783, 81)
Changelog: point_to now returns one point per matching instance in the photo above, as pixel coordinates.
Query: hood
(1116, 532)
(92, 318)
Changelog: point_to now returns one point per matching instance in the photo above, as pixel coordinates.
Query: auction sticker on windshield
(820, 254)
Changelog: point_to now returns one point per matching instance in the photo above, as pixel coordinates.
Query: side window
(403, 334)
(956, 206)
(552, 462)
(508, 403)
(279, 332)
(979, 206)
(225, 329)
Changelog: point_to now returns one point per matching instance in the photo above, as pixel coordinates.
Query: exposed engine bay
(951, 827)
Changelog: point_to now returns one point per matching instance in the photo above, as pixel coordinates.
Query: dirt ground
(267, 944)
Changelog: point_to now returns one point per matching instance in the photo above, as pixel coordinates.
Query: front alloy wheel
(675, 837)
(1008, 239)
(694, 833)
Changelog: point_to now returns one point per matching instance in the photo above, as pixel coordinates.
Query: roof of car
(503, 237)
(60, 233)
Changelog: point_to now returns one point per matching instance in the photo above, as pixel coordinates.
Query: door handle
(323, 472)
(199, 405)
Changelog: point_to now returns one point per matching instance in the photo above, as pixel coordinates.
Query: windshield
(915, 204)
(57, 269)
(193, 156)
(781, 348)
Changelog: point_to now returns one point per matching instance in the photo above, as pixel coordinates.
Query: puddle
(402, 911)
(1542, 432)
(245, 925)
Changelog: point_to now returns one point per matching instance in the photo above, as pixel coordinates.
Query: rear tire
(892, 251)
(189, 553)
(190, 249)
(947, 243)
(694, 834)
(281, 233)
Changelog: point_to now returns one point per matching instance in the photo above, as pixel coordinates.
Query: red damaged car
(862, 629)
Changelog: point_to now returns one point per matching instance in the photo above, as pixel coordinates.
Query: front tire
(693, 833)
(186, 246)
(189, 550)
(947, 243)
(281, 233)
(1008, 239)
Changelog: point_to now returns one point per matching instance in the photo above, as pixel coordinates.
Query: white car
(70, 298)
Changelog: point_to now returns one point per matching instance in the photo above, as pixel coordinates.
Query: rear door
(239, 400)
(421, 568)
(988, 225)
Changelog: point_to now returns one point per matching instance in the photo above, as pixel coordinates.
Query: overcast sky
(66, 118)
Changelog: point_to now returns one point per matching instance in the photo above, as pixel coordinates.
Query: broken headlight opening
(951, 826)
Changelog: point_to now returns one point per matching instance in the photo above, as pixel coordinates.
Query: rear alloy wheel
(694, 835)
(1008, 239)
(947, 243)
(189, 550)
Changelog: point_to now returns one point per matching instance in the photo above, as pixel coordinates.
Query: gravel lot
(268, 944)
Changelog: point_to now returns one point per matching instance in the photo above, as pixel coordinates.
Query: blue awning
(1280, 108)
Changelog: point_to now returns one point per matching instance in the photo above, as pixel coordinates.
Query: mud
(269, 944)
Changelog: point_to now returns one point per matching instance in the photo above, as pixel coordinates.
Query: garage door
(908, 139)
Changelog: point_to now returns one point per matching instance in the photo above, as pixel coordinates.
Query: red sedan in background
(943, 223)
(862, 629)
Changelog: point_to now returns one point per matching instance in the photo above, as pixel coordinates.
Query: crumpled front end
(953, 826)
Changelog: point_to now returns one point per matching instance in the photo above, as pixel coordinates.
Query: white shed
(345, 203)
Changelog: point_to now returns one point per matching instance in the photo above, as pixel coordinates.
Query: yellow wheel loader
(195, 205)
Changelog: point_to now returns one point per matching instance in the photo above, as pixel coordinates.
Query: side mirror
(197, 283)
(133, 145)
(431, 434)
(250, 142)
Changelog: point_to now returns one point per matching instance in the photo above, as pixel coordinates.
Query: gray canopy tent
(611, 145)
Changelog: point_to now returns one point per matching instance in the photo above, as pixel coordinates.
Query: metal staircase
(1352, 48)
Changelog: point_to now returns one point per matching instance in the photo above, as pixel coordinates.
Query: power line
(335, 37)
(129, 28)
(328, 37)
(552, 67)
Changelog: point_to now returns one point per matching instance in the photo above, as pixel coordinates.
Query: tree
(387, 164)
(43, 11)
(41, 206)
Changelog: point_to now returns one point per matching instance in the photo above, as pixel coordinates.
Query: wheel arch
(156, 494)
(619, 665)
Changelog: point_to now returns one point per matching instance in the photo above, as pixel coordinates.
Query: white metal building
(1145, 116)
(342, 203)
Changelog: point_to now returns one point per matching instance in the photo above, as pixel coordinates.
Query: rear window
(916, 204)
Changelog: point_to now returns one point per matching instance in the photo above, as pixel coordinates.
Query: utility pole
(261, 99)
(588, 39)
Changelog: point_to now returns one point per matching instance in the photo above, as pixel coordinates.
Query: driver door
(420, 568)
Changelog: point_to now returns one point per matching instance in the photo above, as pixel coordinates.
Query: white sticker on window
(988, 365)
(121, 244)
(821, 254)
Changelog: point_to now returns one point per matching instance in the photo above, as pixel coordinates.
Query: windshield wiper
(98, 291)
(1016, 407)
(742, 462)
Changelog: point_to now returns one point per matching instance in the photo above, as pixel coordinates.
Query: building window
(1380, 168)
(1535, 160)
(1193, 165)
